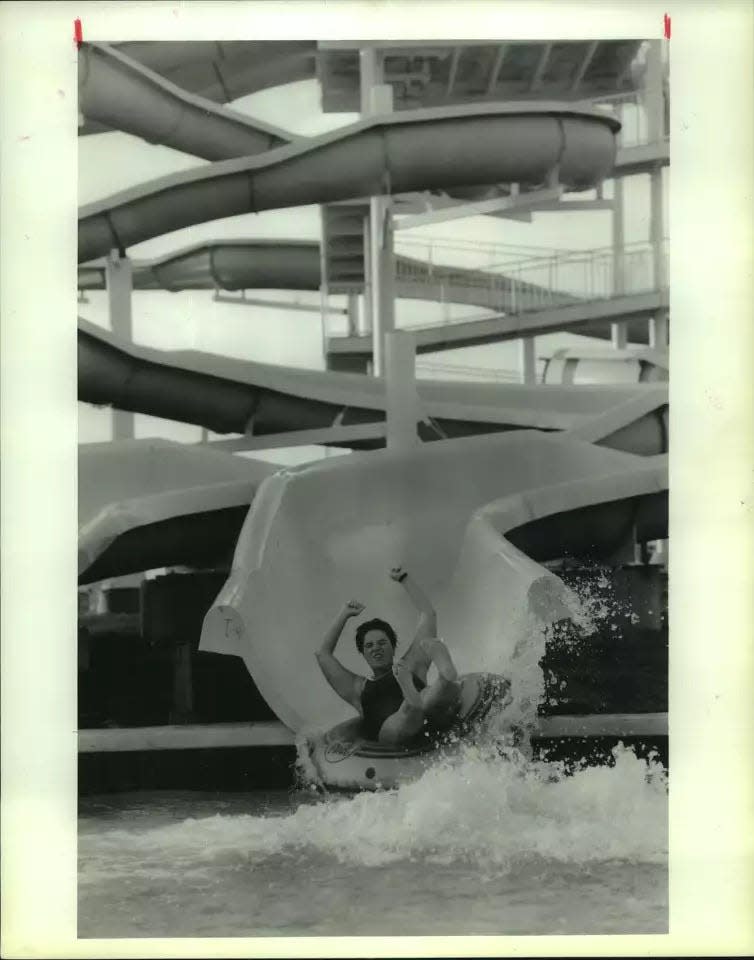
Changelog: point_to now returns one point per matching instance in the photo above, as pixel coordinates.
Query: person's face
(378, 650)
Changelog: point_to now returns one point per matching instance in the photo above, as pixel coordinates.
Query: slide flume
(235, 396)
(430, 149)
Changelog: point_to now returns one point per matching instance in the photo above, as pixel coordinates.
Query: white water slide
(471, 517)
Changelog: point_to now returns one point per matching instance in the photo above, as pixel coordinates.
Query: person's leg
(438, 653)
(441, 699)
(403, 725)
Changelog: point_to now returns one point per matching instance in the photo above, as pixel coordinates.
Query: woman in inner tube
(395, 702)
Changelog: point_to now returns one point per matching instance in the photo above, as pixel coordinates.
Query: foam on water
(476, 807)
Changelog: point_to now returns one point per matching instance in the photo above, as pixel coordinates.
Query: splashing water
(487, 840)
(474, 807)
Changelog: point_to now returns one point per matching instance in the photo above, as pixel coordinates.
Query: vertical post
(383, 271)
(618, 330)
(353, 314)
(658, 332)
(119, 286)
(183, 683)
(657, 229)
(619, 238)
(402, 410)
(366, 316)
(527, 360)
(653, 95)
(377, 97)
(619, 335)
(323, 287)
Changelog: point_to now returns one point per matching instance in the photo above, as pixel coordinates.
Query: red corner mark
(78, 37)
(666, 20)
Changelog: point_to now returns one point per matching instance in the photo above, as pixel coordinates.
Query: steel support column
(119, 282)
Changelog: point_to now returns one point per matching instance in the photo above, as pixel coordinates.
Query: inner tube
(343, 759)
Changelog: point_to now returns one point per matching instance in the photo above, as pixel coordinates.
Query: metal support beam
(657, 228)
(541, 67)
(521, 201)
(402, 398)
(244, 301)
(499, 327)
(588, 56)
(619, 335)
(652, 94)
(383, 278)
(377, 98)
(353, 313)
(502, 50)
(119, 282)
(659, 331)
(299, 438)
(453, 70)
(528, 360)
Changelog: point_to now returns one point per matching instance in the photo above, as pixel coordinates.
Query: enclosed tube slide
(429, 149)
(450, 513)
(235, 396)
(119, 92)
(296, 265)
(219, 71)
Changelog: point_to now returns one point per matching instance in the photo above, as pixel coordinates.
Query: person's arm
(427, 626)
(346, 684)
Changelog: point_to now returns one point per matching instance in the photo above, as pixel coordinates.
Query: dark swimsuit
(380, 699)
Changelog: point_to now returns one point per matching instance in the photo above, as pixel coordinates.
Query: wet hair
(375, 624)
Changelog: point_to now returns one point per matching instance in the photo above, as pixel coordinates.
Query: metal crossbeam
(541, 67)
(244, 301)
(588, 56)
(496, 205)
(496, 67)
(299, 438)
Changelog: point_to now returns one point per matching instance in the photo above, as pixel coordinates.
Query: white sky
(192, 320)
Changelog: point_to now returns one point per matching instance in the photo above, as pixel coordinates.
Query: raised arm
(427, 626)
(346, 684)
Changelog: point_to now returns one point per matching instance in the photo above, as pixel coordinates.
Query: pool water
(481, 844)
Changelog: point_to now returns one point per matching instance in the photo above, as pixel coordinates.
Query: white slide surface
(327, 532)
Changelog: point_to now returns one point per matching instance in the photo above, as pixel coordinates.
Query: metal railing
(548, 282)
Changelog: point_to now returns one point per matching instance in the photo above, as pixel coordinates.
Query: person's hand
(398, 574)
(352, 609)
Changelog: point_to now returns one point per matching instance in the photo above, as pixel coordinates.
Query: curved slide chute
(145, 504)
(449, 512)
(428, 149)
(121, 93)
(296, 265)
(235, 396)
